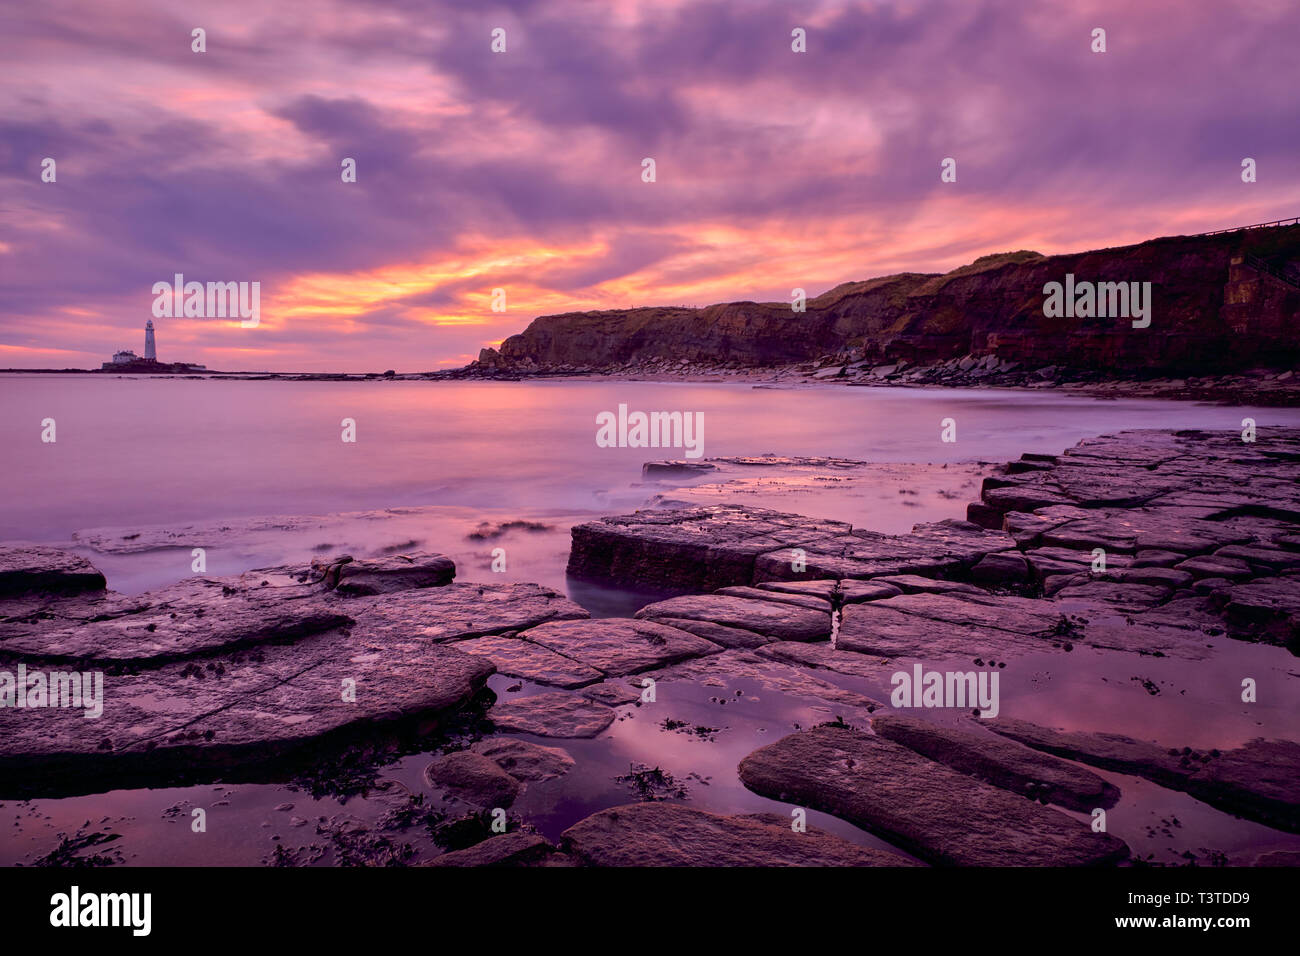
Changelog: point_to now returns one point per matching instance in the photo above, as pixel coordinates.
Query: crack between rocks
(217, 710)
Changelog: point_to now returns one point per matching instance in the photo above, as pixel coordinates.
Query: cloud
(522, 170)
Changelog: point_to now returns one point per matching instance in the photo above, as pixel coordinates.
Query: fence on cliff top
(1259, 225)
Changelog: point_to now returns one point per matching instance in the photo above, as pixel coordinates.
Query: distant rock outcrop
(1219, 302)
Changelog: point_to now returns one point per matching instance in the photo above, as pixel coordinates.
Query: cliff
(1218, 302)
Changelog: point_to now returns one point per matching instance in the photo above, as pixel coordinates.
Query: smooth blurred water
(159, 450)
(135, 453)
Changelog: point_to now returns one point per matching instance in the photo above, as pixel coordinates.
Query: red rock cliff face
(1217, 302)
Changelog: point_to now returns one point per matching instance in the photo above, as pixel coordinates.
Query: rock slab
(664, 834)
(936, 813)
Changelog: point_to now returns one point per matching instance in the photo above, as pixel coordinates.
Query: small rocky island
(235, 679)
(148, 364)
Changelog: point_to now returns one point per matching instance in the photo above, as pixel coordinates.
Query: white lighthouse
(150, 354)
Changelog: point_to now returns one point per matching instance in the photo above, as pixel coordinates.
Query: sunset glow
(522, 171)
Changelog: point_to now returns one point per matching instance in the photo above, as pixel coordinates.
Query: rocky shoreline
(1226, 315)
(1264, 387)
(1261, 387)
(239, 678)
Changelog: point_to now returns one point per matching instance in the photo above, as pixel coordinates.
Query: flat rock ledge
(854, 627)
(29, 568)
(232, 676)
(665, 834)
(1150, 541)
(1259, 780)
(710, 547)
(577, 653)
(1183, 513)
(518, 848)
(940, 815)
(996, 760)
(553, 715)
(526, 762)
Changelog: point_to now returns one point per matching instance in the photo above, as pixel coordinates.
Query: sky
(522, 170)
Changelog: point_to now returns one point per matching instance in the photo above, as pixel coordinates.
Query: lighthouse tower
(150, 355)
